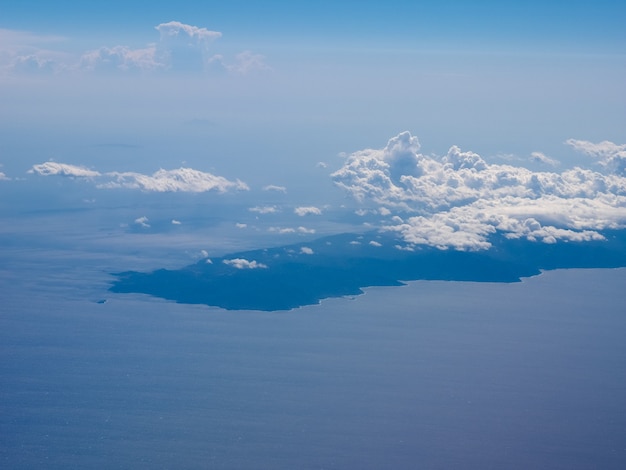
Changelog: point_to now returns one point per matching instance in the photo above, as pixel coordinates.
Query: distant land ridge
(291, 276)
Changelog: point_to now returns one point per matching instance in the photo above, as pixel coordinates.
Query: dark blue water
(433, 375)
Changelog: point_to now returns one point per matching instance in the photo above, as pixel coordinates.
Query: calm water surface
(432, 375)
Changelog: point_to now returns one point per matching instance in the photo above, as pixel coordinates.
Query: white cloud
(264, 209)
(4, 177)
(62, 169)
(184, 47)
(282, 230)
(458, 200)
(307, 210)
(285, 230)
(176, 29)
(240, 225)
(273, 187)
(143, 222)
(181, 179)
(241, 263)
(305, 250)
(375, 243)
(176, 222)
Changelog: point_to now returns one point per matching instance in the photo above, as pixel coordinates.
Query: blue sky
(579, 23)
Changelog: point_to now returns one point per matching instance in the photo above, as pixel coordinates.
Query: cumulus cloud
(458, 200)
(241, 263)
(62, 169)
(282, 230)
(181, 179)
(181, 47)
(307, 210)
(375, 243)
(305, 250)
(264, 209)
(185, 47)
(176, 222)
(4, 177)
(176, 29)
(142, 222)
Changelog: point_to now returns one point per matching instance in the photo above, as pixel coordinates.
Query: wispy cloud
(610, 155)
(273, 187)
(27, 52)
(541, 157)
(459, 200)
(247, 62)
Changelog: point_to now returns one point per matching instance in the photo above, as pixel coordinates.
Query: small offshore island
(292, 276)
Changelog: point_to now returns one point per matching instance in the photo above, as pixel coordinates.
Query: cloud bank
(458, 201)
(179, 180)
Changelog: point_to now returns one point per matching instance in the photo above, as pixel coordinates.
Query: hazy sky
(278, 94)
(140, 135)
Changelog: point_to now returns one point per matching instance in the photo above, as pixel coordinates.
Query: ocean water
(432, 375)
